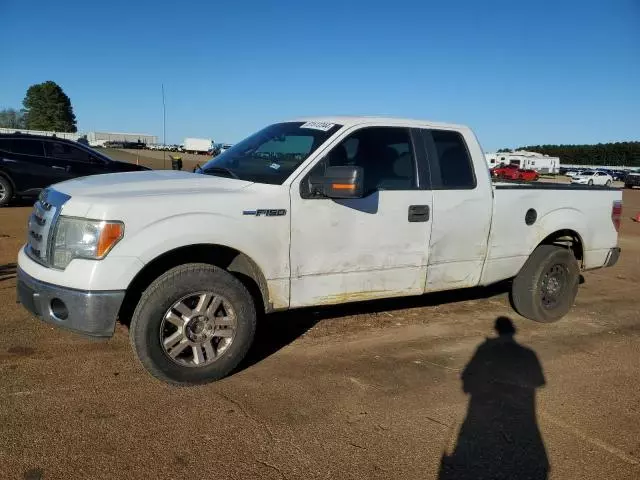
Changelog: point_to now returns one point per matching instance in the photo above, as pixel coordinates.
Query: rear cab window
(449, 160)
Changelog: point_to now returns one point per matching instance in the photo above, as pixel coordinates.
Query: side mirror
(339, 182)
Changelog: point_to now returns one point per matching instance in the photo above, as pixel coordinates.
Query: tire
(608, 184)
(534, 297)
(153, 339)
(6, 191)
(590, 183)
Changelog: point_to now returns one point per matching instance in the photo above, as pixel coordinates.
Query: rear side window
(451, 166)
(27, 147)
(64, 151)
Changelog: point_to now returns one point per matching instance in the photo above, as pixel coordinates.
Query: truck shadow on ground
(499, 438)
(8, 271)
(278, 330)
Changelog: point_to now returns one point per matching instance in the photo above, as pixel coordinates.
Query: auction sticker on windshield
(324, 126)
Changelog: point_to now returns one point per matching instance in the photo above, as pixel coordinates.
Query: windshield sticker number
(323, 126)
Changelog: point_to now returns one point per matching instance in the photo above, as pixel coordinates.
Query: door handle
(419, 213)
(55, 167)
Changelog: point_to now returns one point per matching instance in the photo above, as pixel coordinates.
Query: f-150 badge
(269, 212)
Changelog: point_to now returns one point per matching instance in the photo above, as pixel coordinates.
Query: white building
(525, 160)
(99, 138)
(94, 139)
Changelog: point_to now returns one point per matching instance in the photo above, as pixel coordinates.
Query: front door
(371, 247)
(75, 161)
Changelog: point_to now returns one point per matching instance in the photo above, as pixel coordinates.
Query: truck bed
(523, 213)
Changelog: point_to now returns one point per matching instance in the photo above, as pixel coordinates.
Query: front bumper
(91, 313)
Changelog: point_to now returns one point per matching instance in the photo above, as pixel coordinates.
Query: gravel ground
(373, 390)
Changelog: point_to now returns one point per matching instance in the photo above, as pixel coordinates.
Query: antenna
(164, 131)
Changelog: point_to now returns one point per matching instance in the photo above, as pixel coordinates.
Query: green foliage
(623, 154)
(12, 118)
(49, 108)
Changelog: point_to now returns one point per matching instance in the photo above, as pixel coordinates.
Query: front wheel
(608, 183)
(193, 324)
(546, 287)
(590, 183)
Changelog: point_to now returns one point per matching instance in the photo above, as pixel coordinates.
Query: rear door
(462, 209)
(364, 248)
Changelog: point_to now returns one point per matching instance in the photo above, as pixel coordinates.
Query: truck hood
(149, 183)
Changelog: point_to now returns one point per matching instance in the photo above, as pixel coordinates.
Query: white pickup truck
(303, 213)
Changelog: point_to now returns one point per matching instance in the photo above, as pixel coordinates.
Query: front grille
(42, 224)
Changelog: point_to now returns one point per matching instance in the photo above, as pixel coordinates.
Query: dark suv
(29, 163)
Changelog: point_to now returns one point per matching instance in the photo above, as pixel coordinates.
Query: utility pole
(164, 131)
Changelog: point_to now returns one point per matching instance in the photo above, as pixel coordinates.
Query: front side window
(27, 147)
(272, 154)
(64, 151)
(384, 153)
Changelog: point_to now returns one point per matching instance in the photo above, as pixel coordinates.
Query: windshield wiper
(227, 172)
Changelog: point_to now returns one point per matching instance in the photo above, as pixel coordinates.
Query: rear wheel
(193, 325)
(608, 183)
(590, 182)
(6, 191)
(547, 285)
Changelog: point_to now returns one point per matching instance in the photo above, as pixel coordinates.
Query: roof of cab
(392, 121)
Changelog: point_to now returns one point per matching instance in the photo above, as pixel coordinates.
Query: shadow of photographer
(499, 438)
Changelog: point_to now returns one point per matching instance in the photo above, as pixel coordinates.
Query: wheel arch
(567, 238)
(243, 267)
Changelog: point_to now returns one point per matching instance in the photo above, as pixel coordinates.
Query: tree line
(45, 107)
(622, 154)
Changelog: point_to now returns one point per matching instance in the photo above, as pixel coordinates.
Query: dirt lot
(155, 159)
(358, 392)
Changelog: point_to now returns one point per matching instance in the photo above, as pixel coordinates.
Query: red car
(513, 172)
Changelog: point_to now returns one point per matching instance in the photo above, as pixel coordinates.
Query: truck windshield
(272, 154)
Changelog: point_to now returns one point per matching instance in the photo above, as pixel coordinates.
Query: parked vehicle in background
(632, 180)
(309, 212)
(513, 172)
(619, 175)
(526, 161)
(592, 178)
(224, 147)
(197, 145)
(29, 163)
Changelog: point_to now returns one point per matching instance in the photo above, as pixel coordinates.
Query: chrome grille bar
(42, 225)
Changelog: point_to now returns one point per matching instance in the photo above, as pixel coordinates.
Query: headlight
(82, 238)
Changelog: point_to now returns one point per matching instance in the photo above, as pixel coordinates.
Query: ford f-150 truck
(311, 212)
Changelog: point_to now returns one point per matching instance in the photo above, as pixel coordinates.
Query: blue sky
(561, 71)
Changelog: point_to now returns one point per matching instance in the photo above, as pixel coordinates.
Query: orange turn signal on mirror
(110, 235)
(343, 186)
